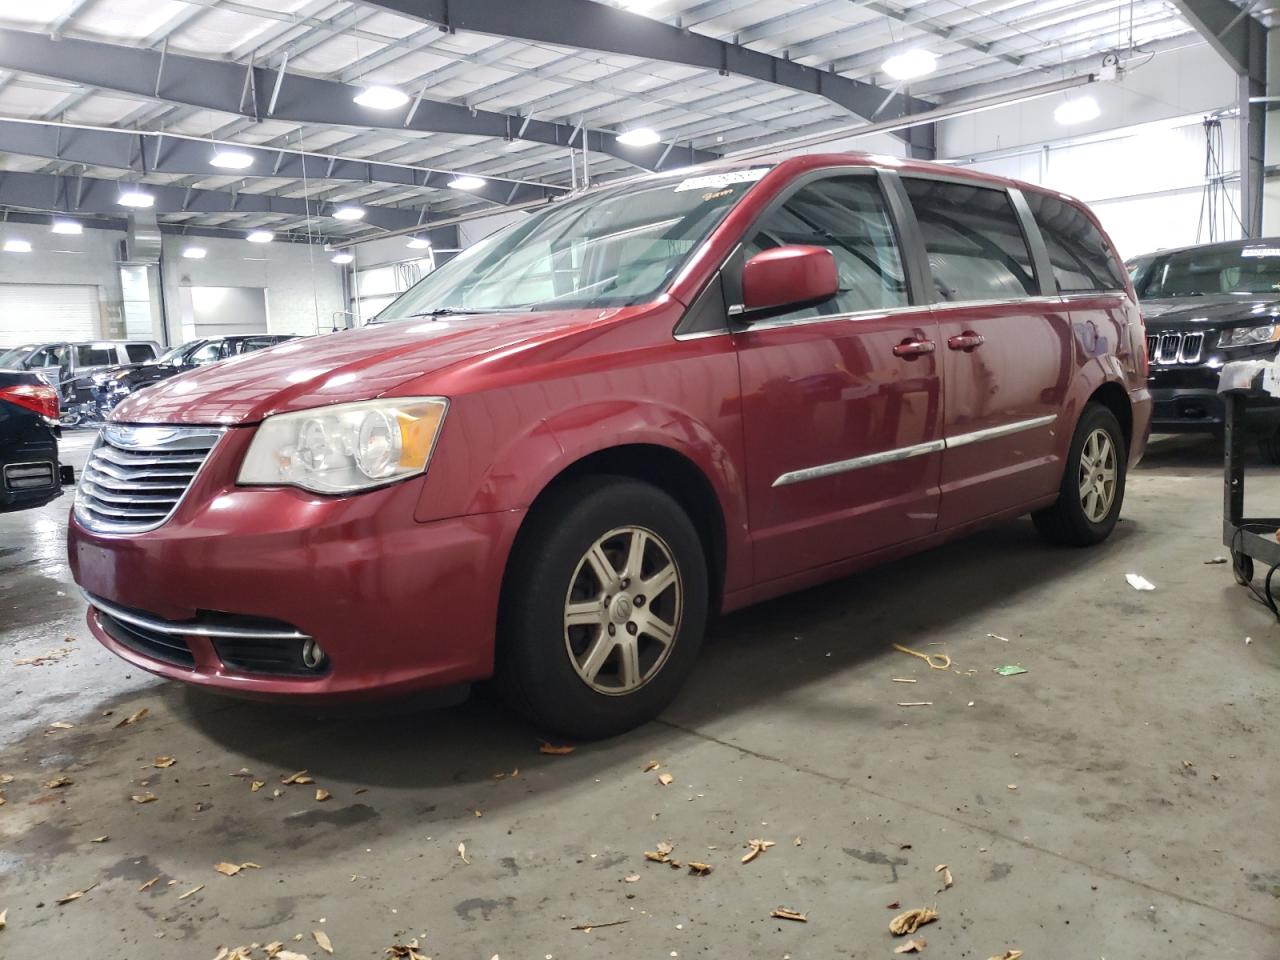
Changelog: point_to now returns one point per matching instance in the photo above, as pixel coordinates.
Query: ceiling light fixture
(465, 182)
(349, 213)
(195, 253)
(260, 236)
(68, 228)
(910, 64)
(639, 137)
(381, 98)
(138, 199)
(343, 258)
(17, 246)
(418, 243)
(232, 160)
(1077, 110)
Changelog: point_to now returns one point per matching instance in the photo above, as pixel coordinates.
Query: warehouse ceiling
(95, 93)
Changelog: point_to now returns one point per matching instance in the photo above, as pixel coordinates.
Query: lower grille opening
(30, 476)
(282, 656)
(150, 643)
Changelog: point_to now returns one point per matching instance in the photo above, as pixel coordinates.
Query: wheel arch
(1115, 398)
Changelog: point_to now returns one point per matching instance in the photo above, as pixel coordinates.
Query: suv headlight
(1250, 336)
(345, 448)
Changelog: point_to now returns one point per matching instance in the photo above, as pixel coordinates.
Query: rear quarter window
(139, 352)
(1082, 260)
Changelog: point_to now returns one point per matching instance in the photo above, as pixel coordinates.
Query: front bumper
(1199, 409)
(29, 478)
(397, 606)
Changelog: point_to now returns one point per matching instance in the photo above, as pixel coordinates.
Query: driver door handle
(967, 341)
(909, 349)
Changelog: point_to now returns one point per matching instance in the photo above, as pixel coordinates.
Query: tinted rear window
(139, 352)
(974, 241)
(1082, 261)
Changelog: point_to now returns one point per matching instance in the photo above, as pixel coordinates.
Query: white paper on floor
(1139, 582)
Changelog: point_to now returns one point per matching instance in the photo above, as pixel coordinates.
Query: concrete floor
(1143, 823)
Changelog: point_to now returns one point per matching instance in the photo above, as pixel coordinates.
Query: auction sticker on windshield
(721, 179)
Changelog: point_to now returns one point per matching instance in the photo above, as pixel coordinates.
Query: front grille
(166, 647)
(1166, 348)
(136, 476)
(30, 476)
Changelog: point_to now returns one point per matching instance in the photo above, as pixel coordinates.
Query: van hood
(351, 365)
(1193, 312)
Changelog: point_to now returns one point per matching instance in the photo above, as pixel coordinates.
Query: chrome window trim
(906, 453)
(187, 630)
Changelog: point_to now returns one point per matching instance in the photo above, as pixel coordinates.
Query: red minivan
(555, 457)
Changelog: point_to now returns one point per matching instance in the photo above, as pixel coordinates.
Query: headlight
(347, 447)
(1250, 336)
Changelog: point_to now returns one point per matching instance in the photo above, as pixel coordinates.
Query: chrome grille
(136, 476)
(1175, 347)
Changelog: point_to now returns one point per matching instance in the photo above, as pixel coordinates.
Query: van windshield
(13, 357)
(1211, 272)
(612, 248)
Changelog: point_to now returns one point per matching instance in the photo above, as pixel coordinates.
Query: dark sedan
(30, 475)
(1206, 306)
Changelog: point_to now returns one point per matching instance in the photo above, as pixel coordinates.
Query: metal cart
(1248, 538)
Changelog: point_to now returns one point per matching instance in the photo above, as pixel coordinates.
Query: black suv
(108, 387)
(1205, 306)
(30, 475)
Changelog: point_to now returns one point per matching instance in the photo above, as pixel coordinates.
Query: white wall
(304, 290)
(87, 259)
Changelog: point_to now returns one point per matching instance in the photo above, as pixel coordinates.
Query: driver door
(842, 402)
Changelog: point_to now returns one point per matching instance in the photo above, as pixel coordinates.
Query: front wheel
(1092, 489)
(604, 607)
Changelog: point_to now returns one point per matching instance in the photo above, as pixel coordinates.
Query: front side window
(139, 352)
(95, 355)
(211, 352)
(1214, 271)
(846, 215)
(1082, 261)
(613, 248)
(974, 241)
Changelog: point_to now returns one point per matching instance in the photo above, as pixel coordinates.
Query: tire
(1076, 520)
(1242, 568)
(546, 668)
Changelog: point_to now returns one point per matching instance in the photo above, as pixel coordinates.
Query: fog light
(312, 656)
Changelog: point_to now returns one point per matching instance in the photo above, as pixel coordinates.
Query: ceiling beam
(159, 153)
(588, 25)
(54, 193)
(247, 90)
(1239, 38)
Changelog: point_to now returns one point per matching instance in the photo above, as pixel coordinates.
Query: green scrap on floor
(1010, 670)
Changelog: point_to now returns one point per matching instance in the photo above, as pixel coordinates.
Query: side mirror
(787, 278)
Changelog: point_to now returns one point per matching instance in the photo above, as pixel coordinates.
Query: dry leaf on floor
(3, 919)
(917, 703)
(404, 951)
(243, 773)
(289, 955)
(1013, 786)
(796, 841)
(1188, 764)
(662, 854)
(478, 813)
(3, 801)
(192, 892)
(322, 795)
(323, 940)
(699, 869)
(554, 751)
(946, 875)
(102, 839)
(228, 869)
(133, 718)
(651, 765)
(665, 779)
(299, 777)
(61, 725)
(462, 852)
(147, 797)
(57, 782)
(914, 945)
(53, 656)
(912, 920)
(75, 896)
(6, 778)
(758, 847)
(149, 884)
(162, 762)
(782, 913)
(631, 878)
(257, 785)
(1007, 955)
(588, 927)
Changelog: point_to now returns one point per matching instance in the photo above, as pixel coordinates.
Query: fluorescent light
(910, 64)
(343, 258)
(381, 98)
(17, 246)
(1079, 110)
(349, 213)
(418, 243)
(136, 198)
(639, 137)
(68, 228)
(195, 253)
(260, 236)
(232, 159)
(465, 182)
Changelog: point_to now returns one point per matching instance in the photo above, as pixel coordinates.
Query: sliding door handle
(967, 341)
(909, 349)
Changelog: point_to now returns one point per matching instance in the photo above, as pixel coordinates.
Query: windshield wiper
(456, 312)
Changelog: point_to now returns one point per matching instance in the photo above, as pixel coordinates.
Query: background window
(1081, 259)
(139, 352)
(847, 216)
(974, 241)
(95, 355)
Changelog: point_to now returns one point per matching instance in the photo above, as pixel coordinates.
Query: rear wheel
(1092, 488)
(604, 608)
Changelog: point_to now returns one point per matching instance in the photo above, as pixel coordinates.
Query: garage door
(46, 311)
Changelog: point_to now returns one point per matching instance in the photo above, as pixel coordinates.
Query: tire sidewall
(1094, 417)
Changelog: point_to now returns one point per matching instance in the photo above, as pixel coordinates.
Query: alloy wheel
(1098, 475)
